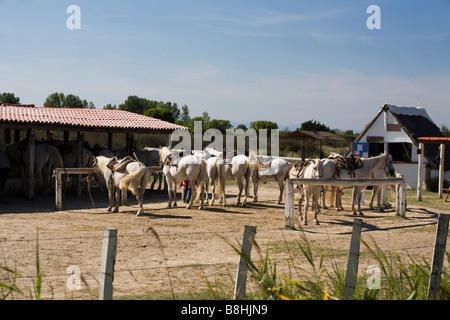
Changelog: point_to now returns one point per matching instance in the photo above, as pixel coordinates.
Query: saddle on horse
(351, 164)
(117, 165)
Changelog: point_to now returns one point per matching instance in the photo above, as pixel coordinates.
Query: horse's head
(390, 166)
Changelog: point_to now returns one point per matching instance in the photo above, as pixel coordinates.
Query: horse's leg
(338, 199)
(213, 192)
(241, 187)
(379, 196)
(193, 193)
(316, 204)
(155, 177)
(255, 190)
(170, 192)
(110, 187)
(300, 204)
(281, 186)
(117, 193)
(247, 187)
(305, 214)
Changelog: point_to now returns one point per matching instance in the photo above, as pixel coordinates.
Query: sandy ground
(190, 244)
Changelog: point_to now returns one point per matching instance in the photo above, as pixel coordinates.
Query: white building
(395, 131)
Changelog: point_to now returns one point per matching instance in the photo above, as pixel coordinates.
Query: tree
(185, 113)
(313, 125)
(221, 125)
(242, 126)
(109, 106)
(160, 113)
(8, 97)
(59, 100)
(263, 124)
(445, 131)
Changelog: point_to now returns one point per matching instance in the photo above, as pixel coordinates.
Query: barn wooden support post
(80, 142)
(29, 174)
(353, 260)
(58, 189)
(420, 171)
(107, 264)
(438, 255)
(289, 204)
(246, 248)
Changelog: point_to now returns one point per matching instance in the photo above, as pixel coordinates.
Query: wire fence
(71, 265)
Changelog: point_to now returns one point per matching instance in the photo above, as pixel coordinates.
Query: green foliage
(263, 124)
(314, 125)
(445, 131)
(160, 113)
(433, 184)
(59, 100)
(8, 97)
(221, 125)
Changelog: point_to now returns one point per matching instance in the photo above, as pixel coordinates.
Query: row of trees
(171, 112)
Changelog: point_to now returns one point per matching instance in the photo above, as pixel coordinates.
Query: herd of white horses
(207, 169)
(210, 169)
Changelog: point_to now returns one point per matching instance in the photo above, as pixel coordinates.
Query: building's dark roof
(416, 123)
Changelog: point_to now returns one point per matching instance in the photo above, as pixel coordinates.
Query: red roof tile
(90, 118)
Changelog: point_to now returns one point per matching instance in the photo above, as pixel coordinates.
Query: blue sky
(280, 60)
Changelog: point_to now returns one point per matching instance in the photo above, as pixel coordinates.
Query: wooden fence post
(289, 204)
(107, 265)
(58, 189)
(353, 260)
(241, 278)
(438, 256)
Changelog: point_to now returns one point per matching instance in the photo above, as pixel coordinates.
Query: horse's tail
(201, 179)
(126, 181)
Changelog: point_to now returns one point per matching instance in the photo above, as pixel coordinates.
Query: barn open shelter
(314, 135)
(16, 117)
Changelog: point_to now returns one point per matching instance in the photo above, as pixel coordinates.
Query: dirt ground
(189, 245)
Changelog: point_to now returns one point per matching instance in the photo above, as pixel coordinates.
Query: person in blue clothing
(186, 190)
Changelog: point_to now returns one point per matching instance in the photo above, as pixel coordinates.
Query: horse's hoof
(169, 206)
(316, 222)
(115, 210)
(108, 209)
(361, 214)
(304, 223)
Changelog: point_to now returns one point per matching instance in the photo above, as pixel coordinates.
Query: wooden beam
(348, 182)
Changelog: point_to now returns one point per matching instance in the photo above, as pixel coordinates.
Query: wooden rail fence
(400, 190)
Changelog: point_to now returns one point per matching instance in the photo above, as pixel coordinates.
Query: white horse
(216, 173)
(270, 168)
(308, 170)
(176, 168)
(125, 174)
(238, 169)
(375, 167)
